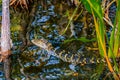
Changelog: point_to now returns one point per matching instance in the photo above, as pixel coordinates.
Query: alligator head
(43, 43)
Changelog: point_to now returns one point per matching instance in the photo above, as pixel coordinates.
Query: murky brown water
(32, 63)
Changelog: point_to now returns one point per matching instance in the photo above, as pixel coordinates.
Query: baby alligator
(63, 55)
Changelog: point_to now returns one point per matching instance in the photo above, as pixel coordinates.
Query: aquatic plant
(95, 8)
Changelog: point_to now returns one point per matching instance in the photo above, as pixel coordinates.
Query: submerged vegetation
(88, 28)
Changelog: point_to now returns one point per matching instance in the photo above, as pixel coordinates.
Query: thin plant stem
(71, 19)
(103, 47)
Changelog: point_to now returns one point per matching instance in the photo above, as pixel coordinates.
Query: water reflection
(39, 65)
(32, 63)
(1, 72)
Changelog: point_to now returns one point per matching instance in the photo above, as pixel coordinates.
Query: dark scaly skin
(62, 54)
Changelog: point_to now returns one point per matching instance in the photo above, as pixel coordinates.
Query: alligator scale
(63, 55)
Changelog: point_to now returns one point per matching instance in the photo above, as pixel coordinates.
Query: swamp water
(30, 62)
